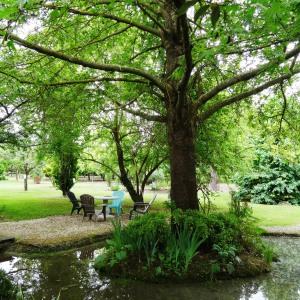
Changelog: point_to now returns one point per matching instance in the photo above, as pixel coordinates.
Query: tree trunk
(26, 182)
(26, 171)
(134, 195)
(182, 163)
(213, 180)
(181, 127)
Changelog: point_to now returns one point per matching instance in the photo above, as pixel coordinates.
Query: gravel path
(283, 230)
(56, 230)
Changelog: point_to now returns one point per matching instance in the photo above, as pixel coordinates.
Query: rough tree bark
(180, 122)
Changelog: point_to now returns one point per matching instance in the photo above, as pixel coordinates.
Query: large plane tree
(192, 58)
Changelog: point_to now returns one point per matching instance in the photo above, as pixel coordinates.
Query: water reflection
(72, 274)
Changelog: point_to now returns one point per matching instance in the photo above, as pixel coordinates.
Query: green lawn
(44, 200)
(267, 215)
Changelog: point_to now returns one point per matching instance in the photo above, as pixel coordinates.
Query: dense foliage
(273, 180)
(7, 288)
(194, 246)
(64, 171)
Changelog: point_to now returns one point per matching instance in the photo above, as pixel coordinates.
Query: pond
(72, 274)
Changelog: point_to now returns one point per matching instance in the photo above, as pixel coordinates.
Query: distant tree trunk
(25, 183)
(17, 175)
(213, 180)
(26, 171)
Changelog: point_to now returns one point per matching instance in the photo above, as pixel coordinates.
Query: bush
(273, 180)
(115, 187)
(7, 288)
(2, 171)
(155, 246)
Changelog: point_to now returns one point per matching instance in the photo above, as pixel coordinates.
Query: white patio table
(105, 200)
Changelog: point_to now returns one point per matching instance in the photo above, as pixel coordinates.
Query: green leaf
(215, 268)
(10, 44)
(121, 255)
(8, 12)
(184, 7)
(215, 14)
(201, 12)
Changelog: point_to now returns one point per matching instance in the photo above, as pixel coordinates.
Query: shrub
(115, 187)
(7, 288)
(273, 180)
(162, 247)
(142, 236)
(2, 171)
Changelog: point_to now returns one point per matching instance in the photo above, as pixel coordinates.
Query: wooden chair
(75, 202)
(141, 208)
(88, 205)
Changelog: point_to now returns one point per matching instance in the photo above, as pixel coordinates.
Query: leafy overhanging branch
(92, 65)
(9, 113)
(92, 159)
(245, 76)
(71, 82)
(236, 98)
(106, 16)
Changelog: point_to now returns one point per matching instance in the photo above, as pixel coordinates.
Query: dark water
(72, 274)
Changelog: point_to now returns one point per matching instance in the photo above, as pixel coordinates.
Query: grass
(267, 215)
(42, 200)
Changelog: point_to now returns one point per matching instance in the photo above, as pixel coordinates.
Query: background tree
(62, 130)
(132, 150)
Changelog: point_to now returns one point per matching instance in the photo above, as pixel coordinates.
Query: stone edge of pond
(19, 247)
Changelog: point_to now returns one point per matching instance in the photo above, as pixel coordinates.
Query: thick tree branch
(92, 65)
(147, 176)
(141, 6)
(71, 82)
(236, 98)
(245, 76)
(187, 54)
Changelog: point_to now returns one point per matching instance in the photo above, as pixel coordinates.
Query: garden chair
(141, 207)
(88, 205)
(75, 202)
(117, 203)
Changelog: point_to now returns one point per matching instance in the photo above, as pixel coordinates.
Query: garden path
(55, 231)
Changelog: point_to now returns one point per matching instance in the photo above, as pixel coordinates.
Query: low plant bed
(188, 246)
